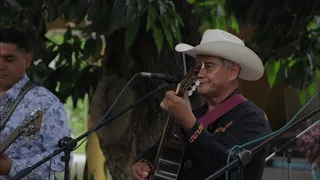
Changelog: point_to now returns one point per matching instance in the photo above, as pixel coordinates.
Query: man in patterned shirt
(15, 58)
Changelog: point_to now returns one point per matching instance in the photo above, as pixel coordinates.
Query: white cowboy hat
(222, 44)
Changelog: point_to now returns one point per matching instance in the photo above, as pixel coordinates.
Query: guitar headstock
(32, 123)
(190, 82)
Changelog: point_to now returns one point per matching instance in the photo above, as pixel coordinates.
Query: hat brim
(251, 66)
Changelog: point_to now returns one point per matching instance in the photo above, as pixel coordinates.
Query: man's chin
(201, 91)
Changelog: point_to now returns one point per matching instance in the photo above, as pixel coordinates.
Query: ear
(234, 72)
(28, 58)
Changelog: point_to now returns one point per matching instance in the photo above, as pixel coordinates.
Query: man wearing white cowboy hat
(225, 59)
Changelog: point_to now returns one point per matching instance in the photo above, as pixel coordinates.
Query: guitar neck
(163, 136)
(10, 139)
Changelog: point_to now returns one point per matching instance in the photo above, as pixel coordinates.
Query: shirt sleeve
(54, 127)
(213, 152)
(149, 154)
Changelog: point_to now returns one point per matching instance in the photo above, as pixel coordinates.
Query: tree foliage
(122, 37)
(107, 42)
(75, 62)
(286, 36)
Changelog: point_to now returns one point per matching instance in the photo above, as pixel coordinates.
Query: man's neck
(5, 89)
(214, 101)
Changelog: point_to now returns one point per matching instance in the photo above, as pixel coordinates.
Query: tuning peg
(197, 83)
(31, 138)
(190, 93)
(194, 87)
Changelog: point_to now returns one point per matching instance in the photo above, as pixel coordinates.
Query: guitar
(171, 147)
(31, 124)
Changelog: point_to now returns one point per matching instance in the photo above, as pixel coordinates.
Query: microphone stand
(68, 144)
(291, 141)
(289, 155)
(289, 150)
(244, 156)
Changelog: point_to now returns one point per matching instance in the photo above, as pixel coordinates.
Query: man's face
(214, 77)
(13, 65)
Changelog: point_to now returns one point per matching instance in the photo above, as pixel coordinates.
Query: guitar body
(170, 155)
(171, 147)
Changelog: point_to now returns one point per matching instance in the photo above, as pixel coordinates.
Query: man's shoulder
(251, 110)
(40, 94)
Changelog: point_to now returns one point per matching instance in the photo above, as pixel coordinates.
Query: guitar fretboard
(9, 139)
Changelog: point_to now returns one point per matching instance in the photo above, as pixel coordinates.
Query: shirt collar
(13, 92)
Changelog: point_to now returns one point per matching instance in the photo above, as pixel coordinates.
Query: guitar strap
(221, 109)
(10, 106)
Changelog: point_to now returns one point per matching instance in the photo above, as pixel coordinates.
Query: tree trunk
(123, 139)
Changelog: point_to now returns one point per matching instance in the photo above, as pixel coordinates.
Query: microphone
(164, 77)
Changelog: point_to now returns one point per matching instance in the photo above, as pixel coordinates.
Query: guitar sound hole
(172, 154)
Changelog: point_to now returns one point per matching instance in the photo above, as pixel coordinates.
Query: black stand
(245, 157)
(68, 144)
(239, 160)
(289, 155)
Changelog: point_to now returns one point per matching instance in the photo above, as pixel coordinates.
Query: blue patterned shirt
(25, 153)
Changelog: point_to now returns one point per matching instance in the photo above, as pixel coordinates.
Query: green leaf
(67, 35)
(177, 16)
(158, 37)
(166, 31)
(52, 14)
(77, 42)
(234, 24)
(79, 10)
(272, 71)
(89, 47)
(191, 1)
(117, 19)
(131, 33)
(98, 47)
(176, 32)
(281, 75)
(292, 63)
(168, 36)
(313, 87)
(303, 95)
(162, 7)
(221, 23)
(122, 14)
(152, 16)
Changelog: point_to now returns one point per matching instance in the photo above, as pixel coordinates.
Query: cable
(295, 116)
(275, 132)
(104, 116)
(232, 149)
(50, 165)
(112, 106)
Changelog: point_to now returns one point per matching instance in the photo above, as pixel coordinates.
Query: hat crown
(213, 35)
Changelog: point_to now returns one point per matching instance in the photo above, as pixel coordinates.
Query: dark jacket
(208, 152)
